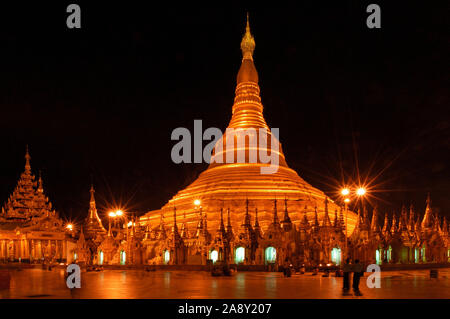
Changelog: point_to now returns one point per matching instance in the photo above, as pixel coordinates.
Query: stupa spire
(286, 214)
(326, 219)
(374, 224)
(427, 221)
(247, 216)
(94, 224)
(385, 229)
(40, 186)
(229, 227)
(247, 43)
(184, 227)
(27, 160)
(237, 170)
(275, 213)
(394, 225)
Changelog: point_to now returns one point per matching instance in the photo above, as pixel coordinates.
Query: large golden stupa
(229, 185)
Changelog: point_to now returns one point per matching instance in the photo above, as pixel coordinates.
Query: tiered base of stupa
(229, 186)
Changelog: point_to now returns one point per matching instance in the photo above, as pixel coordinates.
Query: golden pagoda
(230, 185)
(93, 224)
(28, 199)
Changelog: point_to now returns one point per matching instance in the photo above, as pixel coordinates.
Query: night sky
(99, 103)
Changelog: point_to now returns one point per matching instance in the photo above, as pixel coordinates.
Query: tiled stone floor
(37, 283)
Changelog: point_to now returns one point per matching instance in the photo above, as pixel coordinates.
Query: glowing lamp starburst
(361, 191)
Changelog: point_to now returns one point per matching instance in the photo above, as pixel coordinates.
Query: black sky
(102, 101)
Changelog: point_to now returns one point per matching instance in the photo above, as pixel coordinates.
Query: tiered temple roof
(28, 199)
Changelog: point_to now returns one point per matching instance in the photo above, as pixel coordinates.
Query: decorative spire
(92, 191)
(247, 216)
(162, 228)
(175, 218)
(385, 229)
(366, 223)
(184, 228)
(275, 213)
(200, 223)
(27, 161)
(411, 217)
(316, 219)
(229, 227)
(247, 43)
(94, 226)
(81, 238)
(374, 224)
(256, 227)
(326, 218)
(427, 221)
(40, 187)
(358, 220)
(305, 223)
(403, 219)
(336, 219)
(286, 214)
(394, 225)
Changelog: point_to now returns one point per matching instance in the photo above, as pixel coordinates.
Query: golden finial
(247, 43)
(27, 160)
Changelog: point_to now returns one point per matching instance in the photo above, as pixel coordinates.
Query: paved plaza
(38, 283)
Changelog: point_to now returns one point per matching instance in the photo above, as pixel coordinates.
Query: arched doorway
(123, 257)
(389, 254)
(240, 255)
(214, 256)
(378, 256)
(270, 255)
(166, 256)
(100, 258)
(336, 256)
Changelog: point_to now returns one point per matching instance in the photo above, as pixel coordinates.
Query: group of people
(358, 271)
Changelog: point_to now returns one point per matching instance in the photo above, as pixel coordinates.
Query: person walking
(358, 272)
(347, 269)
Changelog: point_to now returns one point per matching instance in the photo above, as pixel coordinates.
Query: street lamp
(197, 202)
(361, 191)
(345, 191)
(111, 215)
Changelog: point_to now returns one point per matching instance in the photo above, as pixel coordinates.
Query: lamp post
(119, 213)
(360, 192)
(111, 215)
(69, 228)
(346, 201)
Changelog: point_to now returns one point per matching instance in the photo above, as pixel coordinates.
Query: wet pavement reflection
(133, 284)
